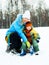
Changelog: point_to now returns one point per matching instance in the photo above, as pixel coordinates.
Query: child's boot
(23, 52)
(31, 50)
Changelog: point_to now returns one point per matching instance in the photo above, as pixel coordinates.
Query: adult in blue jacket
(17, 26)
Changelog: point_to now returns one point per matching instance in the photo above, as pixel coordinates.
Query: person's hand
(37, 40)
(6, 38)
(28, 44)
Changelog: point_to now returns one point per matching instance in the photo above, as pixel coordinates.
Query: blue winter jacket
(17, 26)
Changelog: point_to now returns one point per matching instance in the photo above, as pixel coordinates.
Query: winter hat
(27, 14)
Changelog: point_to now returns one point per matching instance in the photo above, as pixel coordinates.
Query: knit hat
(27, 14)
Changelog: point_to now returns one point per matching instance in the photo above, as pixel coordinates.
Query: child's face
(28, 27)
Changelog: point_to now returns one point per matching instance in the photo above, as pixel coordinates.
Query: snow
(41, 59)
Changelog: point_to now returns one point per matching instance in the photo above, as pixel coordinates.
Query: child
(32, 36)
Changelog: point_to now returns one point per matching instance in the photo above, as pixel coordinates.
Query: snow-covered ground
(41, 59)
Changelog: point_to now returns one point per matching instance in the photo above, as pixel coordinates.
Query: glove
(6, 38)
(28, 44)
(37, 40)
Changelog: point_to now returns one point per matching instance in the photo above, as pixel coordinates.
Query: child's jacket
(31, 33)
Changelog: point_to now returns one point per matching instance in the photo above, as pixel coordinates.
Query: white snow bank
(41, 59)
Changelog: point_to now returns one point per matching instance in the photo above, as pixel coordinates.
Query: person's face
(28, 28)
(25, 20)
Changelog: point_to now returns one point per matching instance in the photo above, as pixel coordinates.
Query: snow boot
(8, 49)
(31, 50)
(23, 52)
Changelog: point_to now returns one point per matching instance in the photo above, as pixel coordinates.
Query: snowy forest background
(10, 9)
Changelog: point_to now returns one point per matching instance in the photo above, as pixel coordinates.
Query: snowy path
(41, 59)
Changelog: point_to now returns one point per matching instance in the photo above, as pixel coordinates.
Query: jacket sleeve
(35, 34)
(18, 22)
